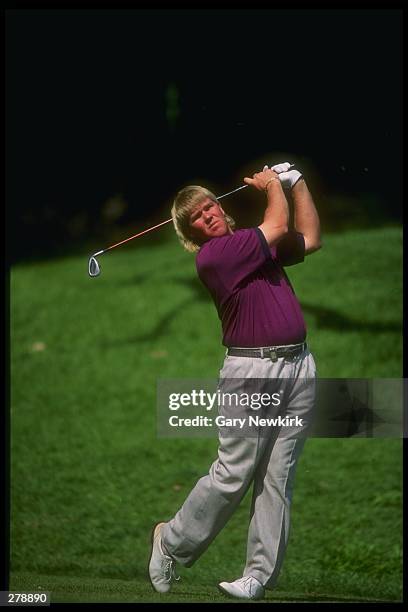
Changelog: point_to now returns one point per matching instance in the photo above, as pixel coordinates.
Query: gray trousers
(267, 459)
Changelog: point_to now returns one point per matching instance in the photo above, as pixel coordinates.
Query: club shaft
(150, 229)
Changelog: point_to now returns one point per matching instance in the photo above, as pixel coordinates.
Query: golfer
(264, 332)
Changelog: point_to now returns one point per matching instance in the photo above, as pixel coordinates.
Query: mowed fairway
(89, 477)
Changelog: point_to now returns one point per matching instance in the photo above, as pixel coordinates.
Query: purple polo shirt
(253, 296)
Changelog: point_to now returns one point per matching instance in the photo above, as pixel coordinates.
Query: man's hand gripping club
(276, 217)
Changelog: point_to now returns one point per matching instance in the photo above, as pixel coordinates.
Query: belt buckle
(273, 355)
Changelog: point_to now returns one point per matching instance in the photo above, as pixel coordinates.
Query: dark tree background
(110, 112)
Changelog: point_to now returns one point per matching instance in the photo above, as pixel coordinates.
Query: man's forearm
(276, 217)
(306, 218)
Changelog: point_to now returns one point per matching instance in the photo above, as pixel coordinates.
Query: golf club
(94, 268)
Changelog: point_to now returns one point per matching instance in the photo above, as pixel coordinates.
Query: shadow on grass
(199, 293)
(158, 331)
(326, 318)
(196, 287)
(331, 319)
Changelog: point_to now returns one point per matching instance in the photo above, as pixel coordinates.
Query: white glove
(288, 178)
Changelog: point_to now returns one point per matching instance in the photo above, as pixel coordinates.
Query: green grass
(89, 476)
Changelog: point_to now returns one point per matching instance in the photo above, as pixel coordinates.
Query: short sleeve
(290, 250)
(225, 262)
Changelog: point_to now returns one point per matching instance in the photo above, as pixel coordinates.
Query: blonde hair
(185, 202)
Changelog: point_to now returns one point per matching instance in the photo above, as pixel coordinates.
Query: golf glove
(288, 178)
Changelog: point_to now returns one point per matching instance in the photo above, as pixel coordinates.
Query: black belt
(271, 352)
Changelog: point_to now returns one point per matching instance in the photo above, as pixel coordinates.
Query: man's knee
(230, 480)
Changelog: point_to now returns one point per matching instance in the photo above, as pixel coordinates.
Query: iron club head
(94, 268)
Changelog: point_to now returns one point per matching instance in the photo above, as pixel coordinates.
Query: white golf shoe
(244, 588)
(162, 568)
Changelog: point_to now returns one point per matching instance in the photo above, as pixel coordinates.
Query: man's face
(207, 221)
